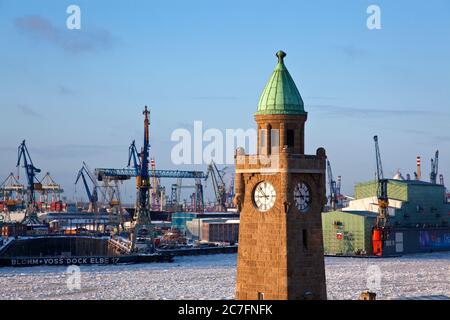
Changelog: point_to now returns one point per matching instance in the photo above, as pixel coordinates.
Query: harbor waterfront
(212, 277)
(258, 153)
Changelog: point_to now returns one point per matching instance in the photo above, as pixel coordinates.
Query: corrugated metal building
(419, 220)
(348, 233)
(181, 220)
(417, 203)
(221, 231)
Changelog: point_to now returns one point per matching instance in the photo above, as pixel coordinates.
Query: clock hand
(261, 190)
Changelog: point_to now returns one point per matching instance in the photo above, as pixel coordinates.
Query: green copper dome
(280, 96)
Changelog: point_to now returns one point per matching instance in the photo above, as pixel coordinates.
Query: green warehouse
(419, 220)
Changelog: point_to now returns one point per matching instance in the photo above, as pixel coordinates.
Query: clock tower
(280, 193)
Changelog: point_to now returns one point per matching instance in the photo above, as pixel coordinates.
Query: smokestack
(419, 174)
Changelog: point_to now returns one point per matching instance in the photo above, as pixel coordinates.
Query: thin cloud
(65, 91)
(340, 111)
(442, 138)
(352, 52)
(430, 137)
(28, 111)
(215, 98)
(74, 41)
(319, 98)
(74, 150)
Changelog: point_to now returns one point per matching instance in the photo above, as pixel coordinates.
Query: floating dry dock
(64, 250)
(98, 260)
(87, 250)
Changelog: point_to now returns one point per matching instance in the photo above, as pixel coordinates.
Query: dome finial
(281, 54)
(280, 95)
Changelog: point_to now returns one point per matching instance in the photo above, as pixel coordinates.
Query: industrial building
(419, 219)
(180, 220)
(220, 231)
(213, 229)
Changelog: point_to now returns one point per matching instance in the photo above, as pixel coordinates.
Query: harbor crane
(379, 231)
(51, 193)
(231, 194)
(156, 190)
(333, 187)
(197, 197)
(12, 194)
(133, 155)
(434, 168)
(142, 227)
(218, 185)
(12, 191)
(31, 217)
(92, 195)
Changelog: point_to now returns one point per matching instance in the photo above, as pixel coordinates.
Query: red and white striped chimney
(419, 173)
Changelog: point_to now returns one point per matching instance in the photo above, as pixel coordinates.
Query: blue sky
(78, 95)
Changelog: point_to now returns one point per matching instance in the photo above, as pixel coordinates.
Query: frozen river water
(213, 277)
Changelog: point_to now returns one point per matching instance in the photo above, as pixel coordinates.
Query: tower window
(260, 296)
(290, 138)
(262, 137)
(275, 141)
(305, 239)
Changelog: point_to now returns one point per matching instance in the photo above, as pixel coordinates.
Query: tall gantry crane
(51, 193)
(31, 217)
(218, 185)
(231, 194)
(338, 190)
(379, 235)
(12, 191)
(434, 168)
(133, 156)
(197, 197)
(142, 227)
(156, 196)
(92, 195)
(333, 187)
(12, 194)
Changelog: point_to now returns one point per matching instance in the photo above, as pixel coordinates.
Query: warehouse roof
(362, 213)
(407, 182)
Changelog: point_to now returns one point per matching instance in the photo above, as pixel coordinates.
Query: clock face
(264, 196)
(302, 197)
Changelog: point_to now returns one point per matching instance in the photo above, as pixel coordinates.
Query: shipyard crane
(51, 193)
(333, 187)
(12, 191)
(218, 184)
(33, 184)
(378, 234)
(92, 195)
(434, 168)
(134, 158)
(231, 194)
(156, 198)
(133, 155)
(338, 189)
(197, 198)
(142, 226)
